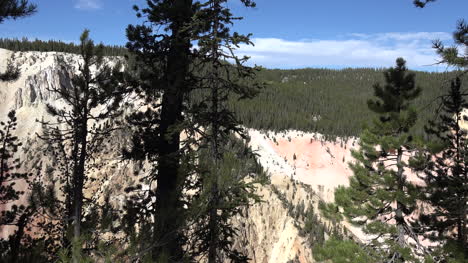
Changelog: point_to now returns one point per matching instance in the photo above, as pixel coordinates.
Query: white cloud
(88, 4)
(355, 50)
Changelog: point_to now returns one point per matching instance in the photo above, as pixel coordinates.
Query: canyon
(304, 168)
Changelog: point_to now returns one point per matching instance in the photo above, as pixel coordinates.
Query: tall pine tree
(170, 69)
(446, 173)
(15, 215)
(163, 49)
(380, 198)
(18, 216)
(224, 190)
(92, 103)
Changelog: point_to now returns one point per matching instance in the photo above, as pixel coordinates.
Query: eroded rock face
(39, 73)
(268, 233)
(305, 157)
(38, 88)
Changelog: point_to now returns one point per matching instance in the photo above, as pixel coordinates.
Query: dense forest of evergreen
(26, 44)
(332, 102)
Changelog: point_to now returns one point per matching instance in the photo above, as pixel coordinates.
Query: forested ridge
(25, 44)
(331, 102)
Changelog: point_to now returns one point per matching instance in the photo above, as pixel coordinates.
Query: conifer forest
(233, 131)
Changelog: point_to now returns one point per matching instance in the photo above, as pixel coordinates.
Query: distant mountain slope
(25, 44)
(331, 102)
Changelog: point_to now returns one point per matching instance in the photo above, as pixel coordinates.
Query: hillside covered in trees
(331, 102)
(26, 44)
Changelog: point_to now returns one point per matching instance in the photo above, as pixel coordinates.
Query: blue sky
(287, 34)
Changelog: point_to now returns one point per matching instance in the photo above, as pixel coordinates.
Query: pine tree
(223, 188)
(451, 55)
(15, 215)
(337, 250)
(26, 44)
(422, 3)
(446, 173)
(14, 9)
(163, 51)
(379, 198)
(82, 126)
(15, 248)
(223, 191)
(446, 177)
(12, 73)
(232, 180)
(170, 71)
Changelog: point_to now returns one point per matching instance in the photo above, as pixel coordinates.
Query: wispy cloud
(354, 50)
(88, 4)
(397, 36)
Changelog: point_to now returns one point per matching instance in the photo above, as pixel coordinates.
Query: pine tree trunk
(79, 188)
(213, 221)
(79, 171)
(16, 239)
(461, 174)
(213, 224)
(168, 206)
(74, 192)
(81, 143)
(3, 157)
(69, 211)
(463, 231)
(399, 217)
